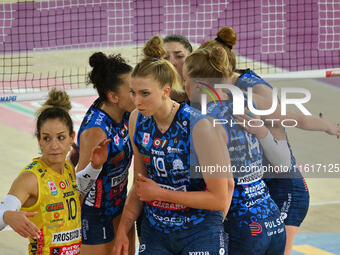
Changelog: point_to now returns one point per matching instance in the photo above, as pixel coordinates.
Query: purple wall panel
(305, 45)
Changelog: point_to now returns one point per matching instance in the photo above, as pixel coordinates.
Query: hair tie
(223, 42)
(155, 58)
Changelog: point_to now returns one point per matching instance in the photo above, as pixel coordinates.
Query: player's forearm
(196, 199)
(132, 209)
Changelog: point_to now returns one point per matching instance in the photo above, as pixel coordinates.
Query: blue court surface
(317, 244)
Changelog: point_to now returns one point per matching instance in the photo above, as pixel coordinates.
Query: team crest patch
(53, 188)
(116, 139)
(146, 139)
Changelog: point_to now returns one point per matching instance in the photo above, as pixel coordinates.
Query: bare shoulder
(93, 132)
(24, 186)
(132, 122)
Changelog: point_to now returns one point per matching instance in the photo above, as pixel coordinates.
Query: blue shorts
(204, 238)
(260, 237)
(96, 229)
(292, 198)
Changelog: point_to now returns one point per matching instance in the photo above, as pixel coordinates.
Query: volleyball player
(182, 215)
(177, 48)
(43, 202)
(253, 222)
(108, 117)
(291, 194)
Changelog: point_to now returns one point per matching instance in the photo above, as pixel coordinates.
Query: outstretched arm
(24, 187)
(133, 205)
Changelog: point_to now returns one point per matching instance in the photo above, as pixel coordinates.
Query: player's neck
(113, 111)
(58, 167)
(165, 115)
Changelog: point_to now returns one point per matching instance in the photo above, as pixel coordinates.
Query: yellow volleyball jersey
(58, 210)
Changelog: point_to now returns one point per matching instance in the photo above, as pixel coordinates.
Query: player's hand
(147, 189)
(99, 154)
(19, 222)
(333, 129)
(121, 244)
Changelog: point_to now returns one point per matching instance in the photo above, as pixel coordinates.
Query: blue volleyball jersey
(291, 194)
(249, 79)
(251, 196)
(108, 194)
(166, 157)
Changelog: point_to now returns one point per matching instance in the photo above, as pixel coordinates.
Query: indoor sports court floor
(318, 235)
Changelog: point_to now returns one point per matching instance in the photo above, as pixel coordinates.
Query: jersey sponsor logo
(174, 150)
(255, 190)
(66, 236)
(53, 188)
(146, 139)
(250, 178)
(257, 201)
(99, 193)
(158, 153)
(55, 207)
(177, 164)
(68, 194)
(55, 226)
(91, 197)
(116, 191)
(167, 205)
(118, 157)
(62, 185)
(99, 118)
(42, 172)
(273, 223)
(37, 244)
(255, 228)
(72, 249)
(178, 220)
(119, 179)
(146, 159)
(30, 166)
(199, 253)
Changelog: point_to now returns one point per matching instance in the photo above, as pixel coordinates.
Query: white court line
(325, 203)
